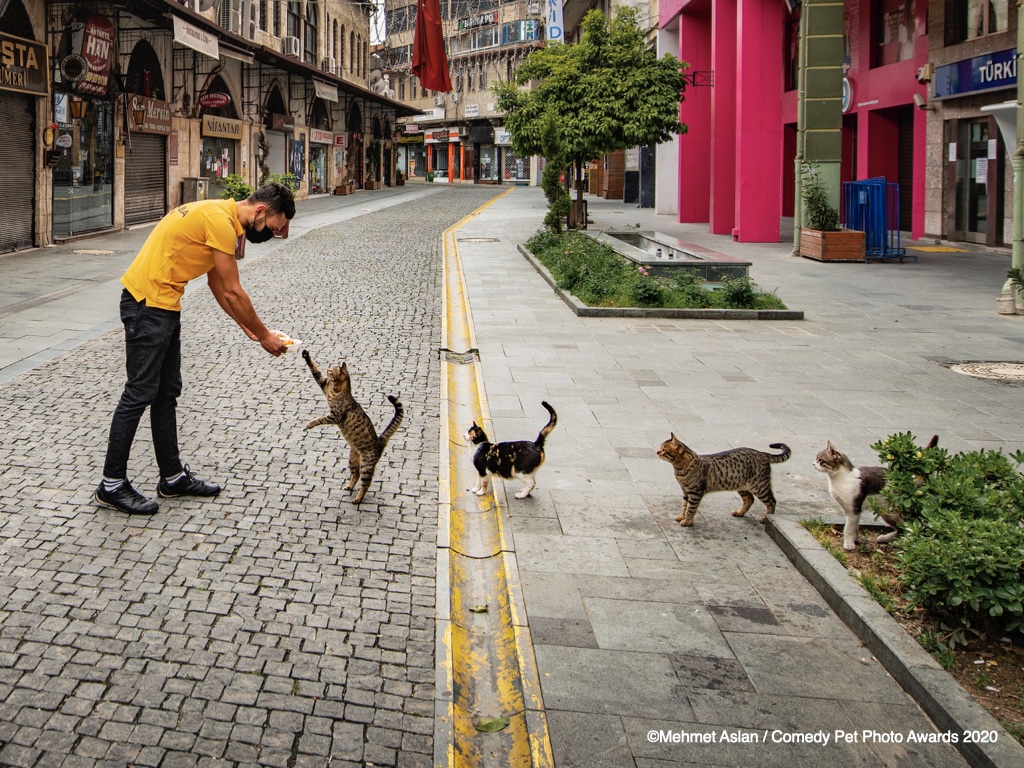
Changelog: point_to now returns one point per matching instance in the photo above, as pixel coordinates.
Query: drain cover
(477, 239)
(1000, 371)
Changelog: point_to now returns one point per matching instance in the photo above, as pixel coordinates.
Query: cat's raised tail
(395, 423)
(778, 458)
(546, 430)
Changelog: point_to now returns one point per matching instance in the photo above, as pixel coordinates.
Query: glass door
(972, 192)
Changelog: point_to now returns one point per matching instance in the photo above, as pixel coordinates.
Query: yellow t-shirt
(180, 248)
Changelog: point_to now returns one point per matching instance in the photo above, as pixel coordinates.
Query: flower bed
(599, 277)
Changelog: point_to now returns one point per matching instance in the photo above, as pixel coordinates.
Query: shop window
(895, 31)
(967, 19)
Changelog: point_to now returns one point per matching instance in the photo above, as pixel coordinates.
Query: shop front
(280, 151)
(23, 81)
(145, 167)
(444, 154)
(411, 153)
(486, 153)
(219, 151)
(83, 174)
(319, 145)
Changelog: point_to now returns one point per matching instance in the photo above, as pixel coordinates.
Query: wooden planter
(844, 245)
(344, 189)
(372, 185)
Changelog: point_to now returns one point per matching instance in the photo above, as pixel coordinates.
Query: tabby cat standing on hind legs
(509, 459)
(365, 447)
(745, 470)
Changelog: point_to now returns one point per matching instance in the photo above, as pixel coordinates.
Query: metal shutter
(17, 181)
(145, 179)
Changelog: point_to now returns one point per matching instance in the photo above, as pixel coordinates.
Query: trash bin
(194, 188)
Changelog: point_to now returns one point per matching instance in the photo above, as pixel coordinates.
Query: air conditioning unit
(439, 100)
(253, 15)
(456, 98)
(236, 22)
(533, 8)
(291, 46)
(329, 65)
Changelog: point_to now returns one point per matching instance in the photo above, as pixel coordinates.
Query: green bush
(961, 549)
(236, 188)
(290, 180)
(598, 276)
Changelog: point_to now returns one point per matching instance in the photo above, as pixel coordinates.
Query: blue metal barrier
(872, 206)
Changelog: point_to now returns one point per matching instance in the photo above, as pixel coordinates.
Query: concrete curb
(582, 310)
(948, 705)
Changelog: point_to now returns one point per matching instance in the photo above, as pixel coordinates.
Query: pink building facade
(736, 163)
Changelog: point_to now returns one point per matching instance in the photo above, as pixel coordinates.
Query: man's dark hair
(277, 197)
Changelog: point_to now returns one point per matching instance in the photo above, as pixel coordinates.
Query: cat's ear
(829, 447)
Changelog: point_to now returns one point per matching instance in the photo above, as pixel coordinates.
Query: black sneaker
(126, 499)
(187, 485)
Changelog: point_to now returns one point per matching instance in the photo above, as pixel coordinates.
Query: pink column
(758, 120)
(695, 112)
(723, 118)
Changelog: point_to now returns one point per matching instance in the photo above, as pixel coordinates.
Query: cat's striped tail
(395, 423)
(776, 458)
(539, 442)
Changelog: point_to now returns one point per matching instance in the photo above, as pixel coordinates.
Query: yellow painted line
(486, 667)
(936, 249)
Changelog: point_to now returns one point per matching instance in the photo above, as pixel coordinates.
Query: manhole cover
(1001, 371)
(478, 239)
(93, 252)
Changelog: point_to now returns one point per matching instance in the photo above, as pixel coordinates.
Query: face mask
(258, 236)
(254, 235)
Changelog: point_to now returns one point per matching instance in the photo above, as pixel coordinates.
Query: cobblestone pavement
(277, 625)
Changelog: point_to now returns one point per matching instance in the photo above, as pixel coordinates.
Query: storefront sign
(442, 136)
(847, 94)
(23, 66)
(193, 37)
(156, 115)
(283, 123)
(325, 91)
(222, 127)
(412, 128)
(503, 137)
(65, 140)
(97, 47)
(213, 100)
(172, 148)
(988, 72)
(554, 18)
(341, 140)
(316, 136)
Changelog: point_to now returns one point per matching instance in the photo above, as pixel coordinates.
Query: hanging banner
(97, 46)
(195, 38)
(23, 66)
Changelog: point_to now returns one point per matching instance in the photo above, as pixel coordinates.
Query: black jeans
(152, 339)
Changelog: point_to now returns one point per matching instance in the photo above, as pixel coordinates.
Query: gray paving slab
(617, 582)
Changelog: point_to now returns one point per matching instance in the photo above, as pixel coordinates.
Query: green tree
(605, 93)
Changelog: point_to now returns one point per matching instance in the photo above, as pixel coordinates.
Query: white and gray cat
(851, 486)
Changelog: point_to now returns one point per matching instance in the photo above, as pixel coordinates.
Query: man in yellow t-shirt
(201, 238)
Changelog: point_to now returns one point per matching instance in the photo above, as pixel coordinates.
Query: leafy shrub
(819, 213)
(961, 550)
(598, 276)
(236, 188)
(290, 180)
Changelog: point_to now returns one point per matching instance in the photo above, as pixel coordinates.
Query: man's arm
(227, 289)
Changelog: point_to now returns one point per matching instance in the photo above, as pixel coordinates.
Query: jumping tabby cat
(510, 459)
(365, 447)
(851, 486)
(744, 470)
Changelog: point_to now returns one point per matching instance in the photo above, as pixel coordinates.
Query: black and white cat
(851, 486)
(517, 458)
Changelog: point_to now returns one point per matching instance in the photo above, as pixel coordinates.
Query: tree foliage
(605, 93)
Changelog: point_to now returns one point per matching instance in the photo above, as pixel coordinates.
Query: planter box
(844, 245)
(344, 189)
(372, 185)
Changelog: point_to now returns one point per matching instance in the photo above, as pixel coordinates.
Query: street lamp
(139, 116)
(77, 108)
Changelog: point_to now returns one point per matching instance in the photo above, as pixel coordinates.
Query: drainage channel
(488, 707)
